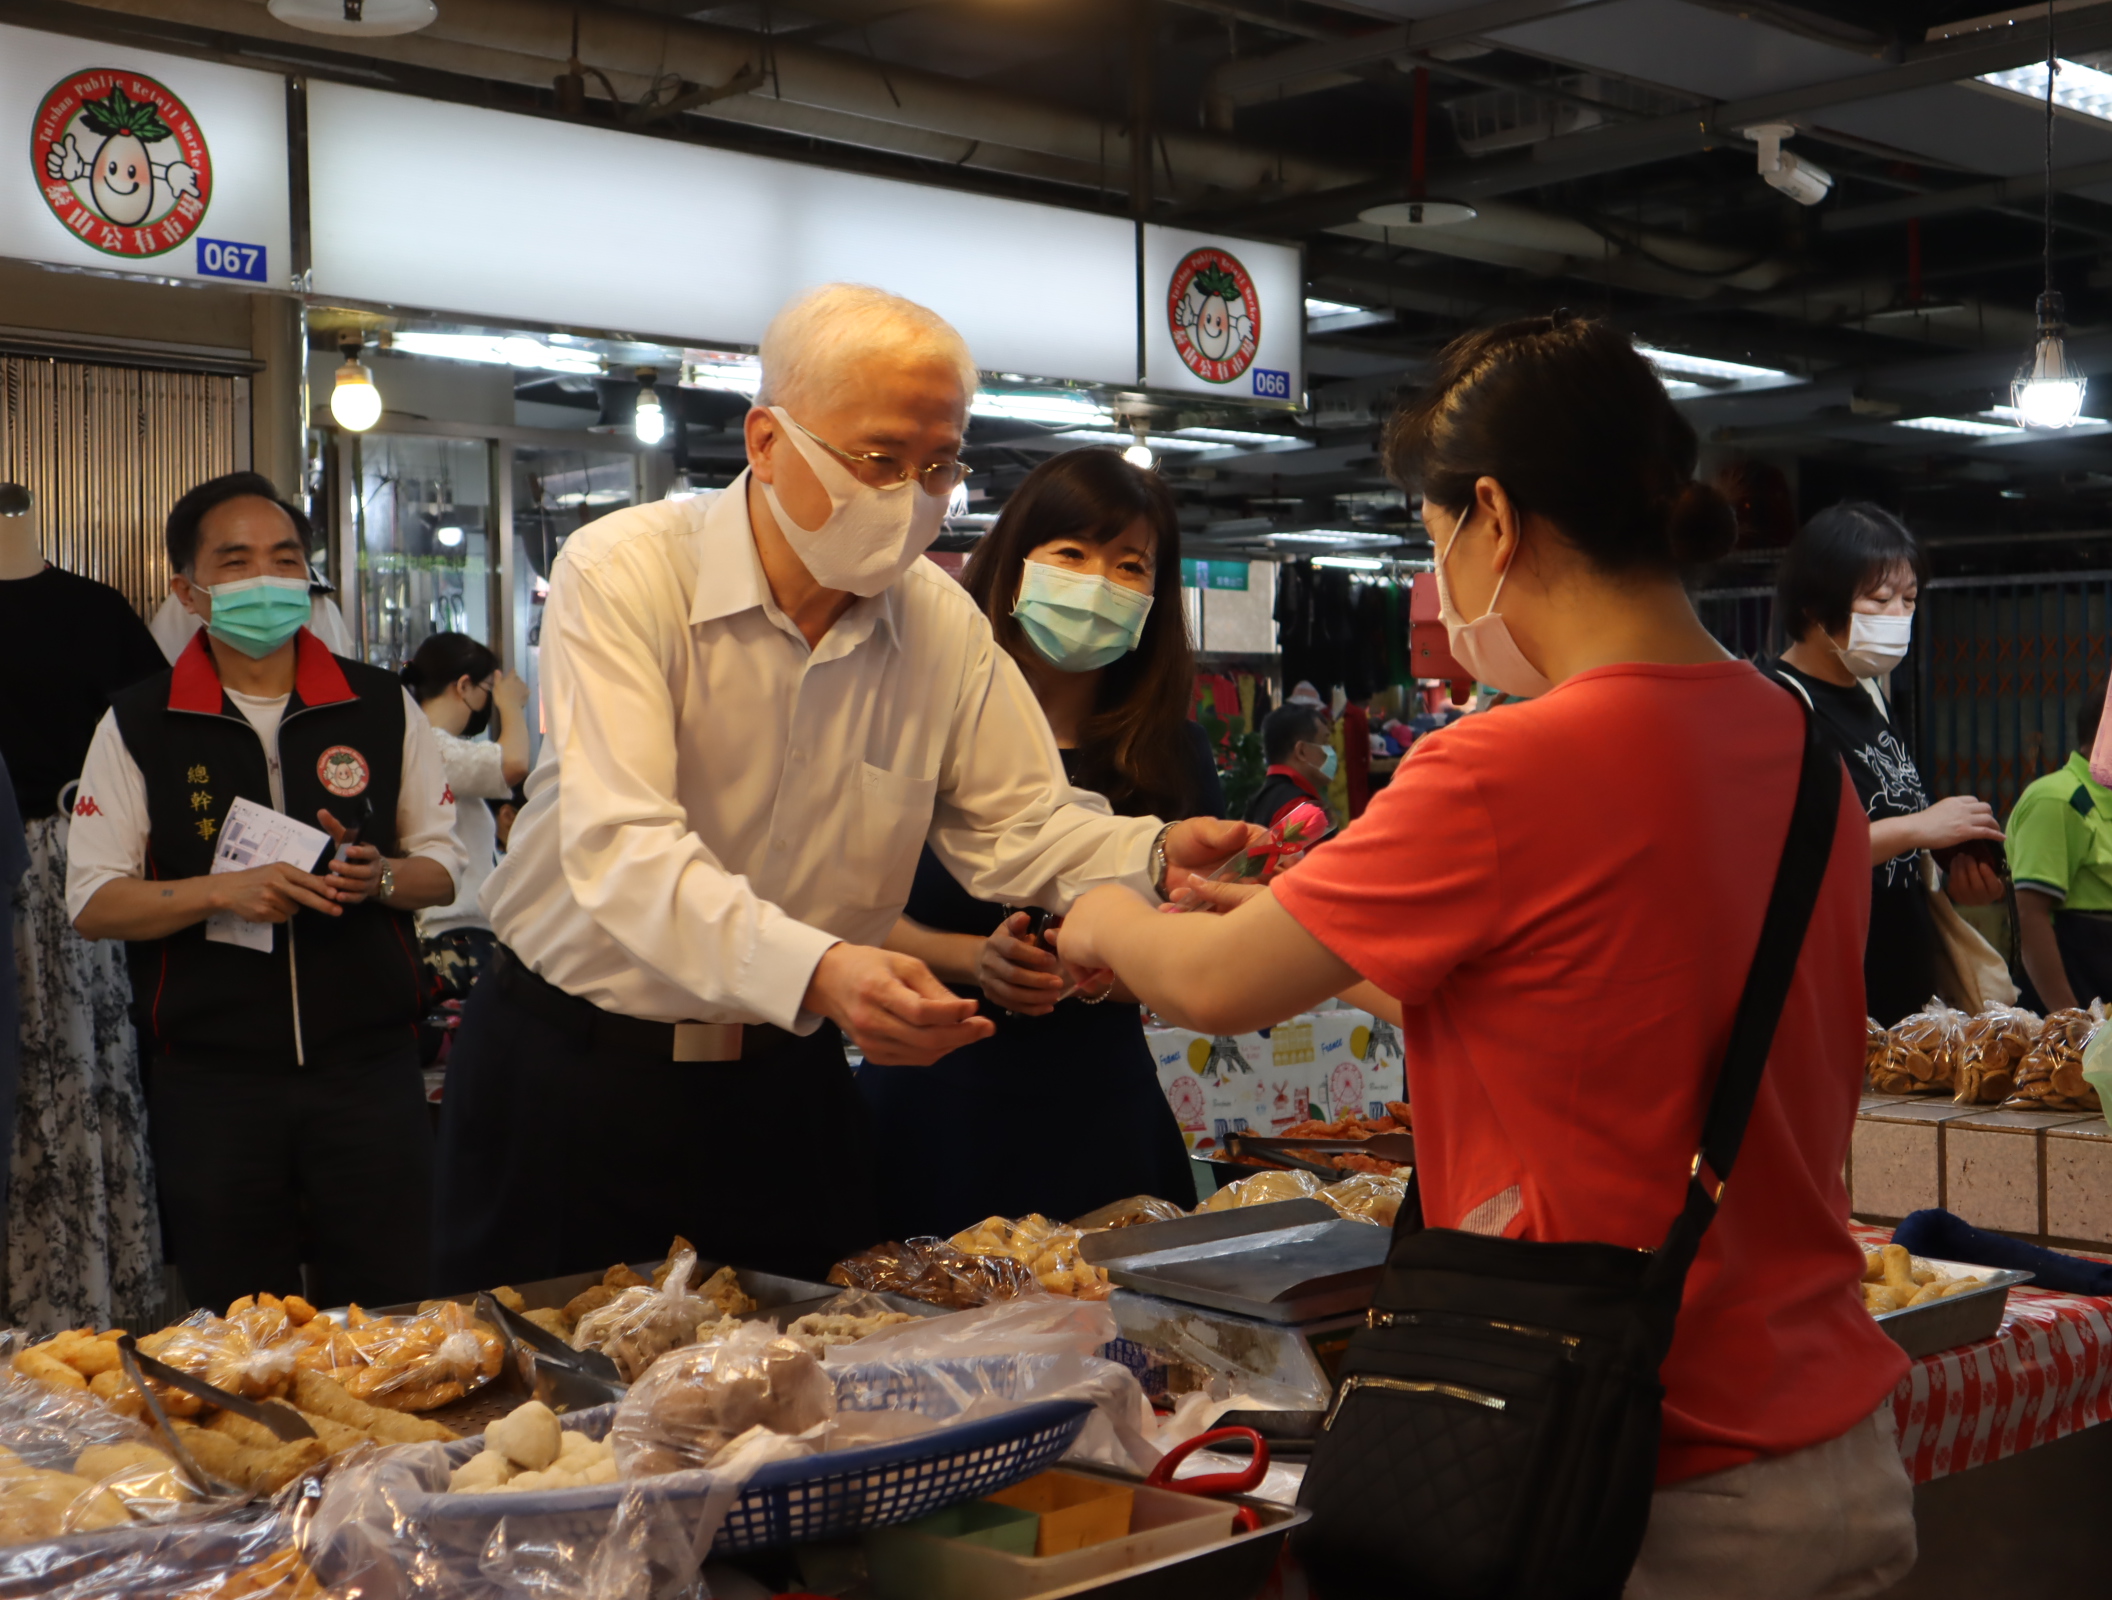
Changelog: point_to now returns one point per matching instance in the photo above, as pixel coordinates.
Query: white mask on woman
(1485, 646)
(1876, 644)
(870, 536)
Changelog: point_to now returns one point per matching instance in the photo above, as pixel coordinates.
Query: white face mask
(1875, 644)
(1485, 646)
(870, 536)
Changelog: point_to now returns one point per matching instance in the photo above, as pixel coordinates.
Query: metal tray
(1229, 1569)
(1294, 1261)
(1956, 1319)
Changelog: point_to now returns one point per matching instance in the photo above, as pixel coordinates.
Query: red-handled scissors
(1244, 1481)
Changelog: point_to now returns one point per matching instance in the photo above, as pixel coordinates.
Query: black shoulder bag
(1494, 1432)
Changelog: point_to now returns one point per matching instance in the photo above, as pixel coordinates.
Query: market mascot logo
(1214, 315)
(121, 162)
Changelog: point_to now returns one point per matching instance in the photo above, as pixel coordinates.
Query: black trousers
(262, 1170)
(560, 1156)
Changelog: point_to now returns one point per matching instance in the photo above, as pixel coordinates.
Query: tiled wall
(2044, 1175)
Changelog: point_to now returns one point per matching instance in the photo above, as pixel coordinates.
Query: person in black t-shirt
(1845, 597)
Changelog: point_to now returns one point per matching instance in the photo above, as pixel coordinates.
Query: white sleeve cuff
(786, 953)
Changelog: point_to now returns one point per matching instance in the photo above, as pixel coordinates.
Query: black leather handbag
(1494, 1430)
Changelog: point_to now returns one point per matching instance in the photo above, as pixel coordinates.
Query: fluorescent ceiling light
(1333, 536)
(2013, 416)
(1961, 425)
(2075, 87)
(1055, 410)
(1330, 308)
(727, 371)
(1354, 563)
(507, 350)
(1158, 441)
(1676, 361)
(1238, 436)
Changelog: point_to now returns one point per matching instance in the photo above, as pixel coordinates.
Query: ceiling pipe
(529, 42)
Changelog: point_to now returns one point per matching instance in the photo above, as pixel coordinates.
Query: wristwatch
(388, 884)
(1158, 862)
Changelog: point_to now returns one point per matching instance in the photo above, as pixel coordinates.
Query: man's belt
(591, 1026)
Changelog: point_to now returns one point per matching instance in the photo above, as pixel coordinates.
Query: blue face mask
(1078, 622)
(1328, 764)
(257, 615)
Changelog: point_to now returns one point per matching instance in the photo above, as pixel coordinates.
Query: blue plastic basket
(827, 1496)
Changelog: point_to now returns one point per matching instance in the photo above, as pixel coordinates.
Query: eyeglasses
(878, 470)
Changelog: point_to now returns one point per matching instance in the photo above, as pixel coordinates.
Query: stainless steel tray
(1956, 1319)
(1290, 1262)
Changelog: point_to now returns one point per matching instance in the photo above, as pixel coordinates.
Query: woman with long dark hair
(1081, 582)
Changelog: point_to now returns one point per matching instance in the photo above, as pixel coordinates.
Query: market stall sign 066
(1214, 315)
(122, 163)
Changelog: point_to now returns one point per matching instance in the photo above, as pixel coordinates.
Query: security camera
(1802, 181)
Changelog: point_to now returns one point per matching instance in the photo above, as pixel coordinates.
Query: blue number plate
(222, 258)
(1271, 385)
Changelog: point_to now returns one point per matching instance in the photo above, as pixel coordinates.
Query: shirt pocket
(893, 815)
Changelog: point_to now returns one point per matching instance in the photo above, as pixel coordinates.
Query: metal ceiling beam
(1969, 197)
(1587, 154)
(1317, 65)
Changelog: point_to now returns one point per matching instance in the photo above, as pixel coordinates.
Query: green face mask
(257, 615)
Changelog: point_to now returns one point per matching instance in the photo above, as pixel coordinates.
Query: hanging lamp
(2048, 391)
(1418, 211)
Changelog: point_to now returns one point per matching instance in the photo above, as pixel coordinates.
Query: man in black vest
(285, 1102)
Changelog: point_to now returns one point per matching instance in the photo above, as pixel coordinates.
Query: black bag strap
(1813, 820)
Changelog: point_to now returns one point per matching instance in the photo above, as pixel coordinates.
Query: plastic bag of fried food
(250, 1352)
(1264, 1188)
(1367, 1196)
(407, 1363)
(2050, 1077)
(1138, 1208)
(933, 1271)
(642, 1323)
(1893, 1280)
(1920, 1052)
(1994, 1047)
(1047, 1249)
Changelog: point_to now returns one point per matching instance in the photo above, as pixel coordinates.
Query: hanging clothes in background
(1372, 645)
(1294, 622)
(1356, 759)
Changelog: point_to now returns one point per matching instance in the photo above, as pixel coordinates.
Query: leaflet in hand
(256, 836)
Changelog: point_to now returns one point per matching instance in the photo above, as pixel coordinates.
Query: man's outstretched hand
(1197, 847)
(892, 1007)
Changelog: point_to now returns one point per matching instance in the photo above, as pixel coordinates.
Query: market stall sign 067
(122, 163)
(1214, 315)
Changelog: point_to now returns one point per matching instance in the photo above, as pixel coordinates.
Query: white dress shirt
(715, 804)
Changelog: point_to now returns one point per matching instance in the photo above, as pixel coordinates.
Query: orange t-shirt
(1565, 895)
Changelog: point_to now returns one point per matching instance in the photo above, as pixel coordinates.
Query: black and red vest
(351, 984)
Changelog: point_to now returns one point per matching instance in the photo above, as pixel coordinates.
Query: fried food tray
(1956, 1319)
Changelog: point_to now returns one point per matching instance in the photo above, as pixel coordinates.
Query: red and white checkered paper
(2047, 1373)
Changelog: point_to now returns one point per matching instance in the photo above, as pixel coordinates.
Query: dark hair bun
(411, 677)
(1701, 526)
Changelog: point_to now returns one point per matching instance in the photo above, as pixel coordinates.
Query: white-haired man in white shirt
(759, 707)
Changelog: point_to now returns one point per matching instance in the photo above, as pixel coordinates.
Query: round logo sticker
(343, 771)
(1214, 315)
(121, 162)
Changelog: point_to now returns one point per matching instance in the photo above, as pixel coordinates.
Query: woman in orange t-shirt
(1559, 900)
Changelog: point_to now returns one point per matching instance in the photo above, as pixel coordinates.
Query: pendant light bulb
(650, 420)
(355, 403)
(2048, 392)
(1139, 456)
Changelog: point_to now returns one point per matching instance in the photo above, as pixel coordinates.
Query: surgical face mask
(1076, 620)
(870, 536)
(1328, 763)
(1485, 646)
(479, 719)
(257, 615)
(1875, 644)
